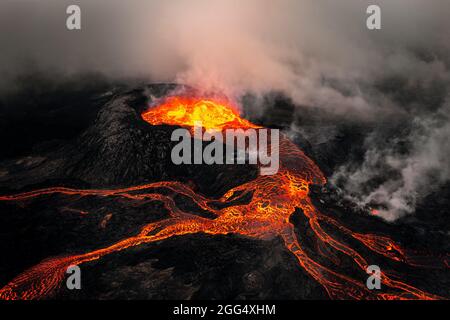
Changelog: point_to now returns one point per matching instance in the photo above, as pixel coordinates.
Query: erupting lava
(186, 112)
(268, 214)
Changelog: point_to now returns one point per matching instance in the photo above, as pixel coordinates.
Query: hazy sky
(231, 45)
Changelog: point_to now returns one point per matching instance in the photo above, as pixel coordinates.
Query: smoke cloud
(395, 180)
(318, 53)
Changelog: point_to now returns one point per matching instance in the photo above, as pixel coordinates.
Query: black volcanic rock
(118, 149)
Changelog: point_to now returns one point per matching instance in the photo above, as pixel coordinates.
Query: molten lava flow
(187, 112)
(268, 214)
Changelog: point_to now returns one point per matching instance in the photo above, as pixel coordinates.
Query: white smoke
(409, 177)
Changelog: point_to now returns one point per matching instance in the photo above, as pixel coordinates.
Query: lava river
(273, 200)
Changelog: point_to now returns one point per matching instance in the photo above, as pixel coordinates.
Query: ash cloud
(318, 53)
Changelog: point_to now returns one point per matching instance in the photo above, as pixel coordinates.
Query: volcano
(112, 202)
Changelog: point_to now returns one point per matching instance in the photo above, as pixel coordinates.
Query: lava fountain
(274, 199)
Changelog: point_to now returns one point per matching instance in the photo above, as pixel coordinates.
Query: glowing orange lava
(267, 215)
(188, 111)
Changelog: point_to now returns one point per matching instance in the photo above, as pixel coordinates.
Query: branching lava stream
(273, 200)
